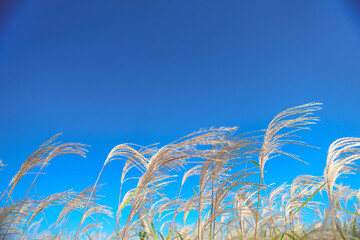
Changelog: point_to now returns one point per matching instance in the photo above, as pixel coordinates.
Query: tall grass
(230, 199)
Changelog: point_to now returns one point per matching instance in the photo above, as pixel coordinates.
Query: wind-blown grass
(230, 198)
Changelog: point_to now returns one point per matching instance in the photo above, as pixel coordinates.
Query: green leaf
(255, 162)
(194, 192)
(127, 200)
(153, 232)
(348, 211)
(307, 200)
(142, 235)
(162, 237)
(169, 235)
(180, 236)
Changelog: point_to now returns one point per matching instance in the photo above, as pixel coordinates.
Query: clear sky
(111, 72)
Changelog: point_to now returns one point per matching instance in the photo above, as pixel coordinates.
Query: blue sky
(144, 72)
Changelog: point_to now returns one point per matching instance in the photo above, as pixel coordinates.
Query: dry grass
(230, 198)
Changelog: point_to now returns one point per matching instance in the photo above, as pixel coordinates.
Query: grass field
(230, 198)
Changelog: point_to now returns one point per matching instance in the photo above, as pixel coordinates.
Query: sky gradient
(112, 72)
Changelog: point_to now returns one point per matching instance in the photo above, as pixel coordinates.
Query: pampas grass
(230, 197)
